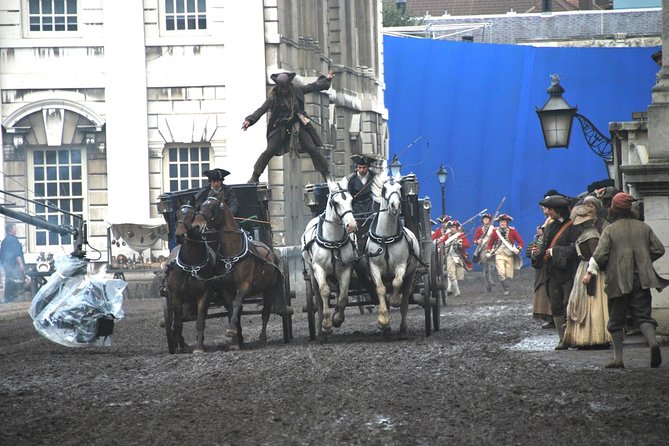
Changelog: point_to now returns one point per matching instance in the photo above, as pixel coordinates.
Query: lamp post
(556, 118)
(395, 166)
(442, 176)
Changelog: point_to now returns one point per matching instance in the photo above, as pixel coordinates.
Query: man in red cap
(626, 251)
(505, 244)
(289, 128)
(481, 238)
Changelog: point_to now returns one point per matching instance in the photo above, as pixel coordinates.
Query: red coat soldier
(505, 244)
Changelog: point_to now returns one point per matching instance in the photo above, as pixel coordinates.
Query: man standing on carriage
(215, 187)
(505, 244)
(481, 237)
(289, 128)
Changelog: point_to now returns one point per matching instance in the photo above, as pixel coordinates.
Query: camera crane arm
(79, 232)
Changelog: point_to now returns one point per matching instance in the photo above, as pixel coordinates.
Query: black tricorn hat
(216, 174)
(362, 160)
(555, 202)
(282, 78)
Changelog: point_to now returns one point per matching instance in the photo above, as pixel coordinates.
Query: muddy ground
(489, 376)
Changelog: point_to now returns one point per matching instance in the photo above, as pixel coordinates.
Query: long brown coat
(625, 246)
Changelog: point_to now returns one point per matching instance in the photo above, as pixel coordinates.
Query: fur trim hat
(622, 201)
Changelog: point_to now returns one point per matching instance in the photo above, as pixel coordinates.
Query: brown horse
(245, 267)
(188, 282)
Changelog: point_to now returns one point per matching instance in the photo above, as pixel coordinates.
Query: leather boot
(648, 331)
(617, 340)
(505, 285)
(254, 178)
(559, 325)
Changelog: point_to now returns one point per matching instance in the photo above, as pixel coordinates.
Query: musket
(488, 233)
(454, 237)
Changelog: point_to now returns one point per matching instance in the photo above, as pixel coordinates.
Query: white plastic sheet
(75, 309)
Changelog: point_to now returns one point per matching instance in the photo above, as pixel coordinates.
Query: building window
(185, 15)
(58, 182)
(52, 15)
(185, 166)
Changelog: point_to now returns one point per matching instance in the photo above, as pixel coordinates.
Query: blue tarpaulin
(472, 108)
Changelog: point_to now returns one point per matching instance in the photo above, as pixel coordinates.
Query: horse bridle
(335, 205)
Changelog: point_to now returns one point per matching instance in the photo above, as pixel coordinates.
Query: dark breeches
(278, 141)
(637, 304)
(558, 295)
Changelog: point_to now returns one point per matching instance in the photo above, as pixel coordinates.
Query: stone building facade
(106, 105)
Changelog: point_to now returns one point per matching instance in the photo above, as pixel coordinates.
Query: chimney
(546, 5)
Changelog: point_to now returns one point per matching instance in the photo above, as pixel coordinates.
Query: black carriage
(428, 280)
(253, 217)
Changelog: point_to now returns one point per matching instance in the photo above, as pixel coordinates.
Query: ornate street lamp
(395, 166)
(442, 176)
(556, 117)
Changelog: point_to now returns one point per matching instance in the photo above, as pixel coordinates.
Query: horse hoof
(198, 351)
(384, 327)
(337, 321)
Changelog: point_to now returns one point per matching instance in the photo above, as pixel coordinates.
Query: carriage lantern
(410, 184)
(263, 193)
(395, 166)
(310, 195)
(165, 204)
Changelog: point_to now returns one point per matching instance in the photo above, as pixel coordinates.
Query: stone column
(651, 180)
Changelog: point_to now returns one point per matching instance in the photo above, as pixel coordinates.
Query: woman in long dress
(587, 310)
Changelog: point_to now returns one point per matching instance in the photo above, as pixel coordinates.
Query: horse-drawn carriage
(423, 285)
(199, 231)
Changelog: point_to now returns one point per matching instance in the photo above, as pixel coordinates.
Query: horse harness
(334, 246)
(386, 241)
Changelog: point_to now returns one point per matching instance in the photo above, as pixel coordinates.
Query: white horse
(393, 251)
(329, 253)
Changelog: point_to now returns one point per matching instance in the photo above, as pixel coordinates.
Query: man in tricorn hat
(505, 244)
(360, 186)
(558, 253)
(215, 187)
(289, 128)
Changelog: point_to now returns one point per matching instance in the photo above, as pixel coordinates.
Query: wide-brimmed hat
(582, 213)
(282, 79)
(216, 174)
(555, 202)
(506, 217)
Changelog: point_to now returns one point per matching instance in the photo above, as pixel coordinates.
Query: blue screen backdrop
(472, 108)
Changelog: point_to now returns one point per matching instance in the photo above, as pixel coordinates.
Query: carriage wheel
(169, 320)
(287, 315)
(435, 290)
(311, 314)
(442, 276)
(426, 304)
